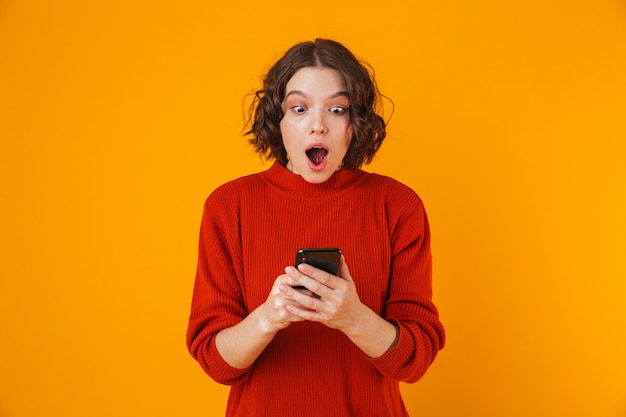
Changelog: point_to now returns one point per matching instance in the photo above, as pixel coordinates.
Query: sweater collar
(296, 187)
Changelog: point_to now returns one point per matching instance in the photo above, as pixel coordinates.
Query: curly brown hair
(265, 114)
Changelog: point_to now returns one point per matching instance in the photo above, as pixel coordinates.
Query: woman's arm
(374, 335)
(241, 344)
(222, 335)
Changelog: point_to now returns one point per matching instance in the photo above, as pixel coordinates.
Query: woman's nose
(318, 125)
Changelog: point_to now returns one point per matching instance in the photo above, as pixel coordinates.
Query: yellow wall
(117, 118)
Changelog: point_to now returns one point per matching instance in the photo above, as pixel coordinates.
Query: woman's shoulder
(243, 182)
(232, 191)
(391, 188)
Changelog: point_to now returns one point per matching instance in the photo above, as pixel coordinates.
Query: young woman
(340, 346)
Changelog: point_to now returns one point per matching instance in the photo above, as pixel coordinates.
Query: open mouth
(317, 154)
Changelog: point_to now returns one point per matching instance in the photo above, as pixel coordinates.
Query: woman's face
(316, 126)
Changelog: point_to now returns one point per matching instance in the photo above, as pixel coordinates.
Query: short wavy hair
(265, 113)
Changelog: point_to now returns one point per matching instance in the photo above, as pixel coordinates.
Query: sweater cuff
(221, 371)
(398, 355)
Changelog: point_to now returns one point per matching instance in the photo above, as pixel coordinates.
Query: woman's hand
(276, 313)
(337, 303)
(241, 344)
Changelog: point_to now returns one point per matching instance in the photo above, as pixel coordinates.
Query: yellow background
(118, 118)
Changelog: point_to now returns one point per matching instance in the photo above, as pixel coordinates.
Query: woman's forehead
(316, 81)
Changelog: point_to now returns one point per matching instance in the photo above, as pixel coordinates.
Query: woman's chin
(312, 173)
(316, 177)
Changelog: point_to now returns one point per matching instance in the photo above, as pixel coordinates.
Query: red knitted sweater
(252, 228)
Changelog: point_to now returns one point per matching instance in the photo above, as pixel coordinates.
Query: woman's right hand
(275, 314)
(240, 345)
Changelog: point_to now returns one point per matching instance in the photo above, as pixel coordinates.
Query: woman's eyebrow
(305, 95)
(340, 94)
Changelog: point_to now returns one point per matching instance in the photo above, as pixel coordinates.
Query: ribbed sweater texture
(251, 229)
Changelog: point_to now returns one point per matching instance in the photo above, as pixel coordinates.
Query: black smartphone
(326, 259)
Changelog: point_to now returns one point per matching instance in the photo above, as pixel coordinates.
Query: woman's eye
(298, 109)
(337, 110)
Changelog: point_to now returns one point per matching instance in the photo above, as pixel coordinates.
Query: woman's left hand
(338, 304)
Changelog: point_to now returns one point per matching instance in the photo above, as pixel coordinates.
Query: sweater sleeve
(217, 295)
(409, 304)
